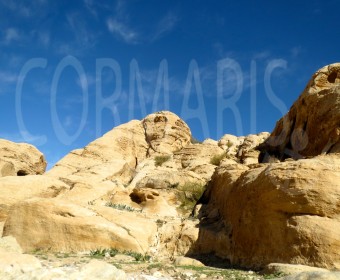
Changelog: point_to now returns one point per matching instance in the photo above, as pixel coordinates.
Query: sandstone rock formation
(15, 189)
(254, 215)
(134, 188)
(115, 195)
(20, 159)
(312, 125)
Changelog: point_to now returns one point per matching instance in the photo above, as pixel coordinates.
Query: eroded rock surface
(261, 212)
(312, 125)
(20, 159)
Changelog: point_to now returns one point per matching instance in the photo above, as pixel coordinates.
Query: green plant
(274, 275)
(159, 160)
(216, 159)
(160, 222)
(138, 256)
(188, 194)
(101, 253)
(122, 207)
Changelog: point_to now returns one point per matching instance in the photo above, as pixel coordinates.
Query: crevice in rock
(332, 77)
(147, 141)
(22, 173)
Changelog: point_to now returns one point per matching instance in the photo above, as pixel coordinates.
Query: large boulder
(165, 132)
(60, 226)
(256, 214)
(15, 189)
(20, 159)
(312, 125)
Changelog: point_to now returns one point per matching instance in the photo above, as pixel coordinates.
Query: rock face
(135, 187)
(165, 133)
(284, 205)
(61, 226)
(16, 189)
(312, 125)
(20, 159)
(115, 195)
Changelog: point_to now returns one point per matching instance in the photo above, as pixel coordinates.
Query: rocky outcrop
(312, 125)
(115, 193)
(59, 226)
(14, 189)
(134, 188)
(261, 212)
(243, 148)
(15, 266)
(20, 159)
(165, 133)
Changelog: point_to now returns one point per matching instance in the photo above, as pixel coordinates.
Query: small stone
(157, 274)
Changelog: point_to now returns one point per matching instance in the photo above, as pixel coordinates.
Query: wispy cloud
(82, 34)
(165, 25)
(24, 137)
(18, 8)
(23, 8)
(6, 77)
(122, 31)
(11, 35)
(121, 26)
(44, 38)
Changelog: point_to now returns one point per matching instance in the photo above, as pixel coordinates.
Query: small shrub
(122, 207)
(229, 144)
(159, 160)
(138, 256)
(160, 222)
(189, 194)
(216, 159)
(100, 253)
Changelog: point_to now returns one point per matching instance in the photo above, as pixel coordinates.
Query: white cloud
(24, 137)
(263, 55)
(68, 122)
(44, 38)
(296, 51)
(122, 31)
(83, 37)
(6, 77)
(166, 24)
(11, 34)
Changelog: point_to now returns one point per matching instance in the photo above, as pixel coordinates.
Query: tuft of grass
(138, 256)
(122, 207)
(188, 194)
(101, 253)
(216, 159)
(229, 144)
(159, 160)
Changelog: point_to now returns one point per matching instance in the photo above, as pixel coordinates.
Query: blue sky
(72, 70)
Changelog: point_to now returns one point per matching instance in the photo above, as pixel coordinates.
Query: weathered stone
(289, 269)
(312, 125)
(313, 276)
(15, 189)
(56, 225)
(165, 133)
(185, 261)
(24, 158)
(268, 209)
